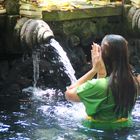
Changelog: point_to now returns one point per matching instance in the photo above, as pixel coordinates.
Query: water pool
(47, 118)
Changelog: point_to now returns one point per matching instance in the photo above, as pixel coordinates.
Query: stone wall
(12, 7)
(131, 28)
(81, 33)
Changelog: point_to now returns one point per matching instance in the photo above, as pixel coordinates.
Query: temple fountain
(43, 50)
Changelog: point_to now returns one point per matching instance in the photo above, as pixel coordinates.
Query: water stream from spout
(68, 69)
(63, 58)
(36, 59)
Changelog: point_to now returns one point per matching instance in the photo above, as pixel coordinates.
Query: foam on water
(62, 110)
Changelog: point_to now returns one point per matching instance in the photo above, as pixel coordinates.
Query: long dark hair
(121, 82)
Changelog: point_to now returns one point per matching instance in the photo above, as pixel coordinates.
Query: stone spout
(34, 32)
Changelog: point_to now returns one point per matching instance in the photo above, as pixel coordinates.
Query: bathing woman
(110, 98)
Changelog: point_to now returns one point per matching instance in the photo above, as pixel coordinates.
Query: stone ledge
(83, 13)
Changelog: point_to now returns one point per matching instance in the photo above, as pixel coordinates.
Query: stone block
(12, 7)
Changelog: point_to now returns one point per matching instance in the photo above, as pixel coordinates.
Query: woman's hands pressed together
(95, 56)
(97, 61)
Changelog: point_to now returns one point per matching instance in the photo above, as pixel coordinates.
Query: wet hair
(121, 81)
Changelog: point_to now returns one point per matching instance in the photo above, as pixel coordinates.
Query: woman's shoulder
(98, 84)
(99, 81)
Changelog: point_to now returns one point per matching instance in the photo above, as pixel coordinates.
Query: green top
(94, 97)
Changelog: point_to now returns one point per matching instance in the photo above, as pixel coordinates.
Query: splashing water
(63, 58)
(56, 116)
(36, 59)
(51, 96)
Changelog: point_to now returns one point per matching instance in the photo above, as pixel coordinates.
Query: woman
(110, 98)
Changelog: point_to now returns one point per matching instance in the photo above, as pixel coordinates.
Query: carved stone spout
(34, 32)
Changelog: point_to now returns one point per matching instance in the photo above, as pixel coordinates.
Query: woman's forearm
(88, 76)
(71, 93)
(138, 78)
